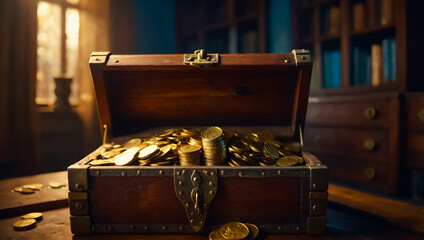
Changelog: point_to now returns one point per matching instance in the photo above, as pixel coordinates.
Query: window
(57, 47)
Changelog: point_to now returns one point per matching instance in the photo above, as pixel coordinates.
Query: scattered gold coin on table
(57, 184)
(235, 231)
(34, 215)
(24, 224)
(23, 190)
(34, 186)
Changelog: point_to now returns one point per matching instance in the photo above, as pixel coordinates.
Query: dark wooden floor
(348, 217)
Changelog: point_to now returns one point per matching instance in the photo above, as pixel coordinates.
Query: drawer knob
(369, 144)
(421, 115)
(370, 113)
(369, 173)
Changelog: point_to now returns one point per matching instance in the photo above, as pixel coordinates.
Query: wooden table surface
(347, 219)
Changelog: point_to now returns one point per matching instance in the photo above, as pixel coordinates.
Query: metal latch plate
(201, 58)
(196, 188)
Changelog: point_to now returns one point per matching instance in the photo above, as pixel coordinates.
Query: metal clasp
(201, 58)
(196, 188)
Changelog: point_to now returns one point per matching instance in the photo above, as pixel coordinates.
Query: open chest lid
(136, 93)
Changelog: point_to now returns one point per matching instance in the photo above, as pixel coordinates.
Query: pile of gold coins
(27, 221)
(235, 231)
(192, 147)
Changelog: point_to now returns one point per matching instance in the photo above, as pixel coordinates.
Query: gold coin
(34, 186)
(100, 162)
(23, 190)
(127, 157)
(57, 184)
(148, 151)
(165, 150)
(283, 152)
(117, 146)
(264, 136)
(288, 161)
(234, 230)
(34, 215)
(254, 230)
(257, 147)
(166, 133)
(189, 149)
(212, 133)
(24, 224)
(216, 235)
(132, 143)
(228, 134)
(271, 150)
(292, 147)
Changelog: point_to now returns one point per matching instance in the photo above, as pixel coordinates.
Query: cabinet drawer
(362, 144)
(371, 175)
(375, 112)
(415, 112)
(415, 149)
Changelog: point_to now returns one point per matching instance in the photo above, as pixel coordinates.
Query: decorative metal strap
(196, 188)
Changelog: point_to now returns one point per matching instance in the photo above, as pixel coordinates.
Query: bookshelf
(367, 90)
(223, 26)
(369, 38)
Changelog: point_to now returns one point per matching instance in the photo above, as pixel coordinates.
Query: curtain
(94, 36)
(18, 117)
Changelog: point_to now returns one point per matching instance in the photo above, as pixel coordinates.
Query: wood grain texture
(414, 131)
(138, 92)
(398, 213)
(146, 200)
(337, 129)
(341, 225)
(13, 203)
(349, 111)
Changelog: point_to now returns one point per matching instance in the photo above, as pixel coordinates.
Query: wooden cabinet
(415, 130)
(357, 137)
(366, 57)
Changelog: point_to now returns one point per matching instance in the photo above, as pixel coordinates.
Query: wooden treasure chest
(242, 171)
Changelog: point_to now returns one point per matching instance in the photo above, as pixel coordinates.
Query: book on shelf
(372, 13)
(331, 69)
(376, 65)
(387, 12)
(334, 20)
(327, 78)
(361, 66)
(393, 54)
(335, 68)
(331, 21)
(249, 41)
(358, 16)
(388, 48)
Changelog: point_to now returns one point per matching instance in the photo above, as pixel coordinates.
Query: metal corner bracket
(302, 56)
(99, 57)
